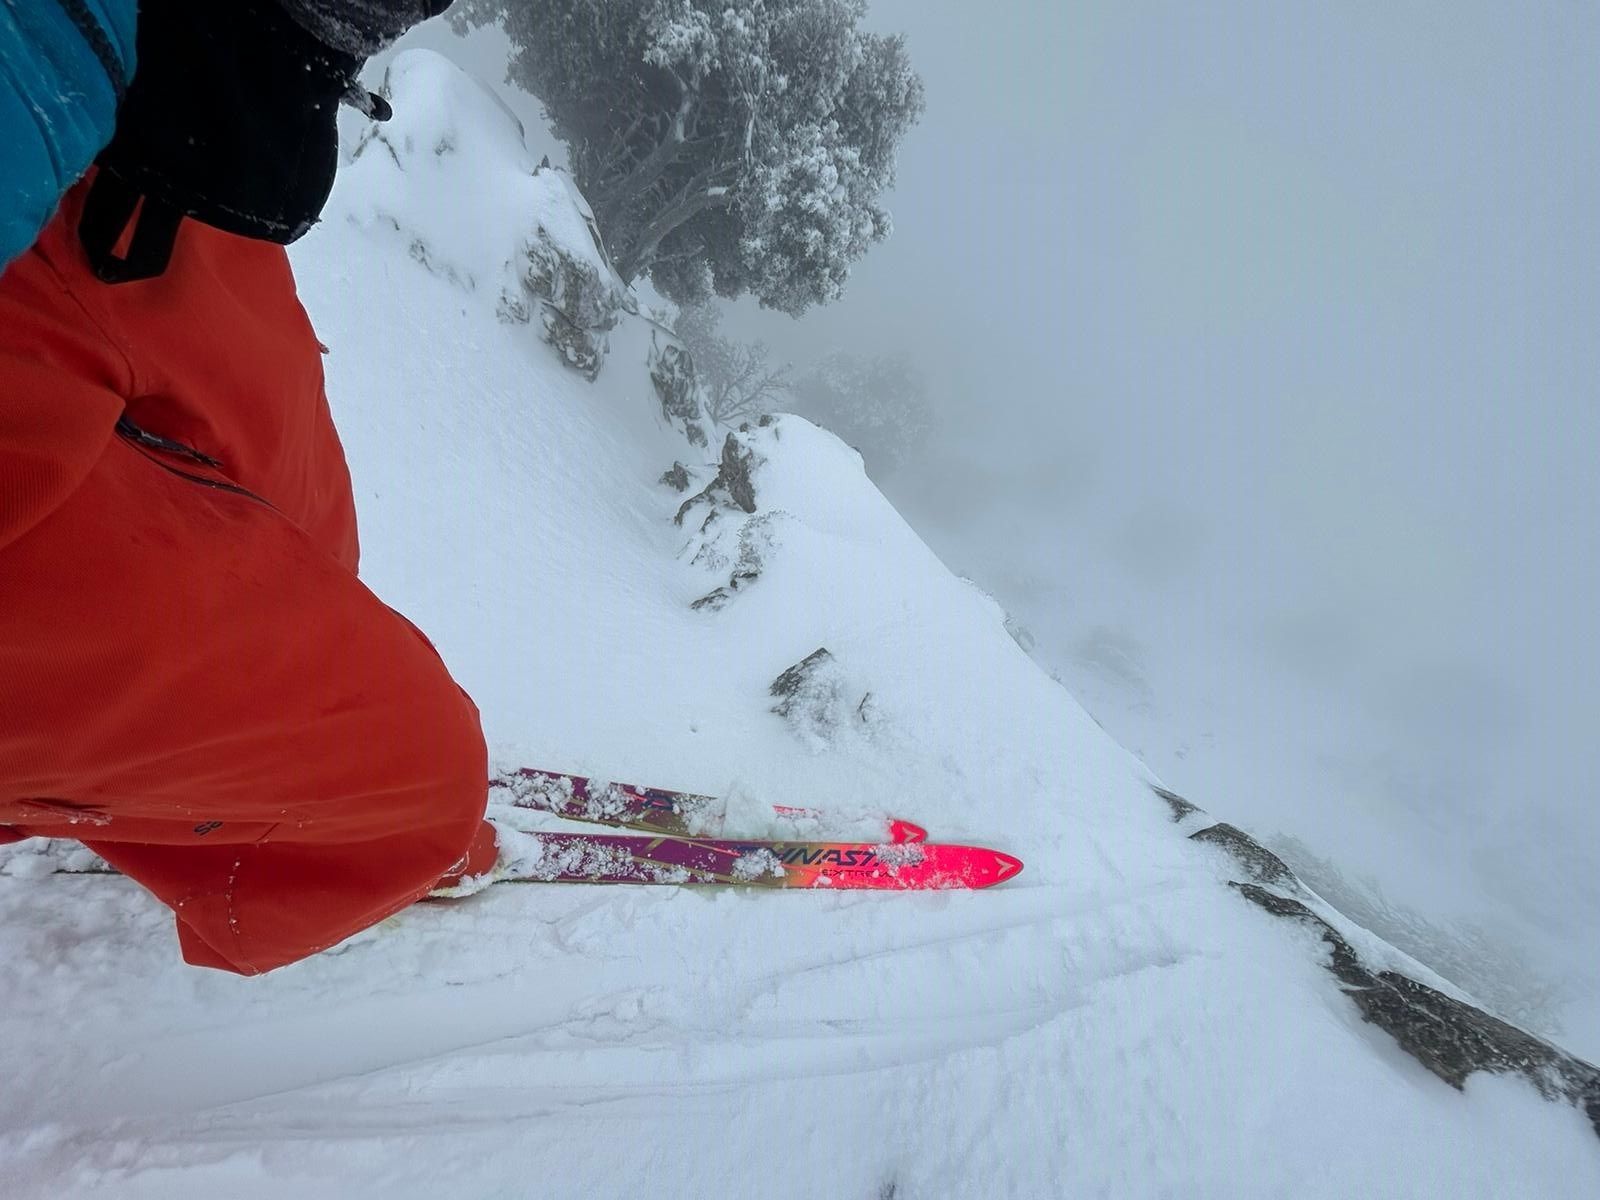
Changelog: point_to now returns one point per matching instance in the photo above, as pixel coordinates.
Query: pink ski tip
(920, 866)
(1006, 867)
(980, 867)
(904, 833)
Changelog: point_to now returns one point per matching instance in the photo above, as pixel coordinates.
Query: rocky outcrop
(1261, 864)
(1180, 807)
(577, 303)
(1450, 1037)
(678, 389)
(729, 533)
(517, 235)
(756, 544)
(790, 686)
(732, 487)
(817, 698)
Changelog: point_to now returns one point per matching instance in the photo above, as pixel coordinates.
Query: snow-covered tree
(727, 146)
(879, 405)
(738, 379)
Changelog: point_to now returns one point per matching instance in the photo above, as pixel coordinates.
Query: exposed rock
(1448, 1036)
(513, 309)
(797, 678)
(732, 486)
(817, 698)
(710, 553)
(1499, 974)
(714, 600)
(756, 543)
(553, 270)
(578, 303)
(718, 598)
(1451, 1038)
(1180, 807)
(672, 373)
(1263, 865)
(1345, 963)
(734, 473)
(421, 253)
(678, 478)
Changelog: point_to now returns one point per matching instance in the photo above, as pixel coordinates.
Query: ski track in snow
(1112, 1023)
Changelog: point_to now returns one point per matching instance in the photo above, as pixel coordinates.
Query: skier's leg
(198, 692)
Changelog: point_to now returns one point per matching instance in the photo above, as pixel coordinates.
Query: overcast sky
(1264, 342)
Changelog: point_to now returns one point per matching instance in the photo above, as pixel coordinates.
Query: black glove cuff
(230, 120)
(361, 27)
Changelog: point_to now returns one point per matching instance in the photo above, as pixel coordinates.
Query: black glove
(230, 119)
(361, 26)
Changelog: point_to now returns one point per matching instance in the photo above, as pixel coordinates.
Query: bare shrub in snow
(729, 146)
(757, 543)
(879, 405)
(738, 379)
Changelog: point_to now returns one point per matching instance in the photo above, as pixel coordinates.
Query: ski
(653, 810)
(729, 862)
(620, 858)
(683, 848)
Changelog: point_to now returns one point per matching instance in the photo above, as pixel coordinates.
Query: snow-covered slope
(1115, 1022)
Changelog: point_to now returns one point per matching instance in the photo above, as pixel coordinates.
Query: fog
(1263, 343)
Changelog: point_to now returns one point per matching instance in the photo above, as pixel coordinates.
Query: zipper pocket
(145, 442)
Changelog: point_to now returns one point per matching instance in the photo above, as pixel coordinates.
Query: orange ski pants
(193, 681)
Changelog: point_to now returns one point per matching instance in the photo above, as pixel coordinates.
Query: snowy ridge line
(1450, 1037)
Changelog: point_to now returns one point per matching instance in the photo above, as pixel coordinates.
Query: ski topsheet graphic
(656, 810)
(690, 851)
(619, 858)
(683, 846)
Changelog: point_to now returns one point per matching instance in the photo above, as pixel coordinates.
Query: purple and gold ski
(654, 810)
(618, 858)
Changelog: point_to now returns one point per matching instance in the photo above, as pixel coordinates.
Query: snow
(464, 225)
(1114, 1022)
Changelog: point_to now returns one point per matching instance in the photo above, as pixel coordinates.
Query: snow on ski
(727, 862)
(619, 858)
(654, 810)
(680, 854)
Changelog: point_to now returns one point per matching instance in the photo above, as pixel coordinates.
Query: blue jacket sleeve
(64, 65)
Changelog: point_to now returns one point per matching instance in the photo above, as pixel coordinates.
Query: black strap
(368, 104)
(112, 203)
(110, 61)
